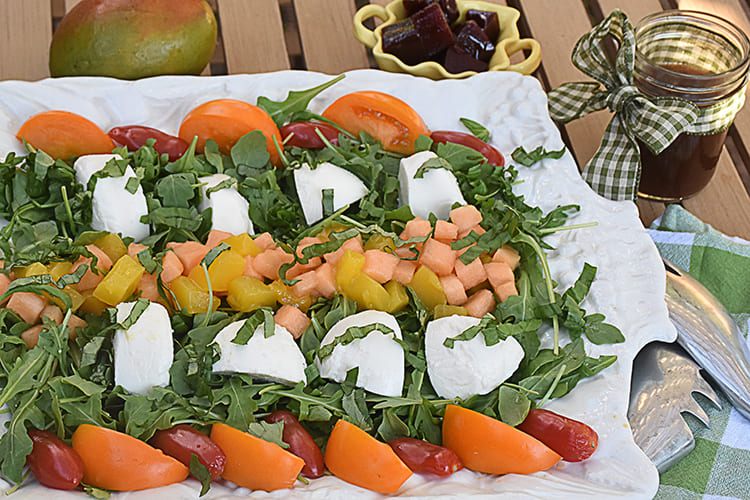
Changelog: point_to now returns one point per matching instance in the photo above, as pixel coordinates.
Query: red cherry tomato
(135, 136)
(426, 458)
(573, 440)
(303, 134)
(182, 441)
(493, 155)
(300, 443)
(54, 463)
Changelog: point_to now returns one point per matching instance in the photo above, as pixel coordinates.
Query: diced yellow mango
(367, 293)
(243, 244)
(333, 227)
(225, 268)
(248, 294)
(443, 310)
(348, 267)
(35, 269)
(379, 242)
(285, 296)
(398, 296)
(120, 282)
(112, 245)
(190, 296)
(90, 304)
(59, 269)
(426, 285)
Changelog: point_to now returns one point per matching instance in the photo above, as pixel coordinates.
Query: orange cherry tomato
(485, 444)
(62, 134)
(116, 461)
(386, 118)
(358, 458)
(225, 121)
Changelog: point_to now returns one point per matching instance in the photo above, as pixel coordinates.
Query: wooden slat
(557, 40)
(69, 4)
(25, 39)
(325, 28)
(253, 36)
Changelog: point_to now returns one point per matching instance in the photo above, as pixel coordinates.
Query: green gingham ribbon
(614, 170)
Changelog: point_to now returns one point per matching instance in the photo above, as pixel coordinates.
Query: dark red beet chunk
(402, 40)
(472, 40)
(433, 29)
(487, 21)
(457, 61)
(449, 7)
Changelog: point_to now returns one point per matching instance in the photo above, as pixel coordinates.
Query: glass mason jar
(701, 58)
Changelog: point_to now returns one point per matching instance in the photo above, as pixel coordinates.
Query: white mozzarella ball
(310, 183)
(380, 358)
(470, 367)
(276, 358)
(434, 192)
(144, 352)
(229, 208)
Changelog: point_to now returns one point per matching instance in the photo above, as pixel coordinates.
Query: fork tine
(691, 406)
(704, 388)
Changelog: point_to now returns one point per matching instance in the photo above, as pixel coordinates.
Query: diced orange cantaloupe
(28, 306)
(498, 273)
(311, 264)
(306, 284)
(445, 231)
(74, 323)
(465, 217)
(291, 318)
(216, 236)
(404, 271)
(30, 336)
(148, 288)
(103, 261)
(505, 290)
(470, 274)
(416, 228)
(264, 241)
(52, 312)
(354, 244)
(408, 251)
(326, 281)
(171, 267)
(89, 280)
(250, 269)
(4, 283)
(439, 257)
(454, 290)
(379, 265)
(481, 303)
(190, 253)
(507, 254)
(135, 248)
(270, 261)
(474, 229)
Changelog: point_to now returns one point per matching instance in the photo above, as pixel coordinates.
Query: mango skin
(132, 39)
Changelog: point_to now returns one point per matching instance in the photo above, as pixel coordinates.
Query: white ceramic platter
(629, 288)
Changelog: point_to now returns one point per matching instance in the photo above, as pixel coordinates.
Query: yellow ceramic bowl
(508, 44)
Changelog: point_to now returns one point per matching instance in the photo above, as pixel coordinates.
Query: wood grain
(327, 40)
(253, 36)
(25, 39)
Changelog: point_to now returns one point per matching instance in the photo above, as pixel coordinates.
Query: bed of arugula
(61, 384)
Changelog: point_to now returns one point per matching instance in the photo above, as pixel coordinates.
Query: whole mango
(132, 39)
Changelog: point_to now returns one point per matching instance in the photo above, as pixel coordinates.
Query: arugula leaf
(476, 128)
(200, 472)
(297, 100)
(267, 431)
(527, 159)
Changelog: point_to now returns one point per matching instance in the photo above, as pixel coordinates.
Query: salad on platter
(268, 291)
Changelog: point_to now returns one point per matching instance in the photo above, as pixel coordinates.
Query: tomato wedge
(485, 444)
(388, 119)
(62, 134)
(225, 121)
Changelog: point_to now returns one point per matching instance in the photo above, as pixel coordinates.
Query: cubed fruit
(353, 244)
(172, 267)
(286, 296)
(249, 269)
(326, 281)
(426, 285)
(52, 312)
(443, 310)
(90, 279)
(481, 303)
(348, 267)
(120, 282)
(379, 242)
(28, 306)
(454, 290)
(190, 253)
(30, 336)
(379, 265)
(498, 273)
(479, 230)
(507, 254)
(247, 294)
(270, 261)
(135, 248)
(91, 305)
(103, 261)
(190, 296)
(293, 319)
(215, 237)
(416, 228)
(244, 244)
(505, 290)
(439, 257)
(4, 283)
(59, 269)
(112, 245)
(148, 288)
(404, 271)
(227, 266)
(470, 274)
(465, 217)
(306, 284)
(445, 231)
(34, 269)
(398, 295)
(264, 241)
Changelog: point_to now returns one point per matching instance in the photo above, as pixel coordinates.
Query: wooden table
(268, 35)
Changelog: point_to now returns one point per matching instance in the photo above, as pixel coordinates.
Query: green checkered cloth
(719, 466)
(614, 170)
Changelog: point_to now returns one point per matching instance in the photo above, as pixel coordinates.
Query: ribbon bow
(614, 170)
